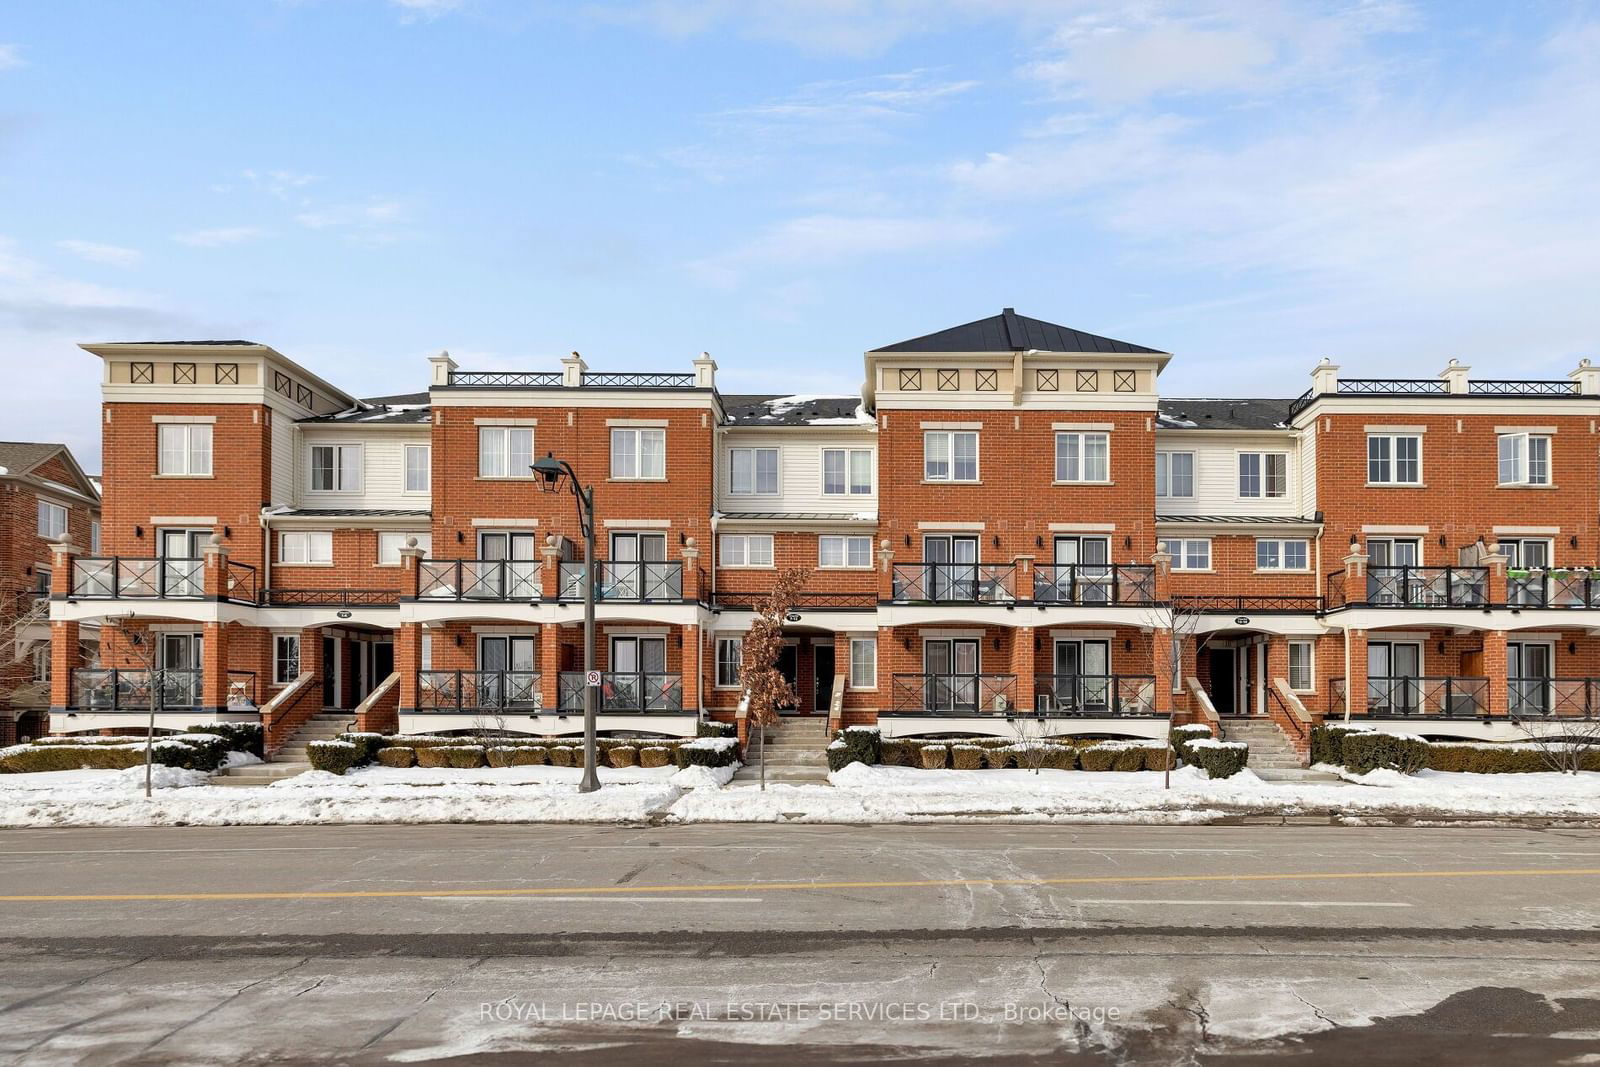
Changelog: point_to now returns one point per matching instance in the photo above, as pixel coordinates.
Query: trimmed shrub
(708, 752)
(997, 757)
(1159, 759)
(335, 757)
(1369, 751)
(242, 736)
(839, 756)
(463, 757)
(1129, 759)
(1487, 758)
(1192, 730)
(966, 757)
(654, 756)
(933, 757)
(433, 756)
(864, 742)
(1097, 758)
(397, 756)
(1327, 742)
(1219, 759)
(528, 756)
(712, 728)
(367, 746)
(561, 756)
(623, 756)
(1060, 757)
(900, 753)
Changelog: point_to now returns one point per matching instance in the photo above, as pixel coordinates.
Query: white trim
(505, 422)
(508, 631)
(1405, 430)
(1380, 529)
(183, 520)
(970, 526)
(1072, 633)
(1542, 431)
(652, 423)
(952, 426)
(955, 635)
(1093, 427)
(638, 524)
(1532, 531)
(505, 524)
(1083, 527)
(183, 418)
(638, 631)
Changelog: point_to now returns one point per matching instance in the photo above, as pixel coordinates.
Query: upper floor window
(305, 546)
(1083, 457)
(950, 456)
(1394, 459)
(848, 471)
(1524, 459)
(844, 552)
(94, 537)
(183, 448)
(745, 550)
(419, 468)
(1188, 553)
(753, 471)
(1174, 474)
(505, 452)
(336, 468)
(639, 454)
(52, 520)
(1263, 474)
(390, 544)
(1273, 554)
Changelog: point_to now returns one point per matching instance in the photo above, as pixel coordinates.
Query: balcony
(623, 692)
(955, 583)
(475, 691)
(1259, 604)
(1572, 588)
(807, 601)
(1094, 583)
(122, 578)
(116, 689)
(954, 694)
(1446, 697)
(639, 583)
(476, 379)
(478, 579)
(1414, 587)
(1553, 698)
(1094, 694)
(331, 598)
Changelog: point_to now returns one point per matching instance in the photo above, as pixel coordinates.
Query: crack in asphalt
(241, 991)
(1318, 1012)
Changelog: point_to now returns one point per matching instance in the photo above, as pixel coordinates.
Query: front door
(179, 658)
(789, 667)
(1224, 680)
(1387, 582)
(330, 672)
(1393, 671)
(954, 572)
(182, 572)
(950, 670)
(1528, 669)
(823, 667)
(511, 572)
(1082, 675)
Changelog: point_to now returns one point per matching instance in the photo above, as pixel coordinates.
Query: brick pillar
(214, 560)
(66, 655)
(885, 576)
(550, 666)
(550, 569)
(410, 565)
(691, 574)
(1022, 666)
(62, 556)
(1355, 581)
(1355, 674)
(1161, 667)
(891, 660)
(841, 670)
(1496, 561)
(311, 659)
(1497, 699)
(1161, 562)
(689, 668)
(407, 662)
(1277, 649)
(214, 659)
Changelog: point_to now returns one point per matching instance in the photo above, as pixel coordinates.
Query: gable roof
(19, 459)
(1010, 332)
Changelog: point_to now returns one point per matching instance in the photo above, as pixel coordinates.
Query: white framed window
(1083, 457)
(52, 520)
(753, 471)
(336, 468)
(41, 664)
(1524, 459)
(94, 537)
(846, 471)
(41, 580)
(950, 456)
(1175, 474)
(1263, 474)
(863, 663)
(850, 552)
(505, 451)
(390, 544)
(285, 658)
(305, 546)
(184, 448)
(419, 467)
(1394, 459)
(745, 550)
(639, 454)
(1282, 554)
(1302, 666)
(730, 658)
(1188, 553)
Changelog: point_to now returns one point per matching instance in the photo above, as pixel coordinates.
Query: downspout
(1347, 672)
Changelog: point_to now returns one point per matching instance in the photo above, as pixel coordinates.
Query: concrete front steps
(1270, 750)
(796, 752)
(292, 758)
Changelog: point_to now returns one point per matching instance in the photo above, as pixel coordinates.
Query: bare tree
(1183, 623)
(140, 646)
(765, 688)
(1030, 746)
(1563, 744)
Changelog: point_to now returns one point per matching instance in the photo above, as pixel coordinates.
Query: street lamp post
(552, 473)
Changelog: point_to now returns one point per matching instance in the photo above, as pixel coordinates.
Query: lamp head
(550, 473)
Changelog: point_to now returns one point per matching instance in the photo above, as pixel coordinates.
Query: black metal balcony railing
(333, 598)
(955, 583)
(120, 577)
(1445, 697)
(115, 689)
(1531, 387)
(1094, 694)
(478, 579)
(1094, 583)
(1428, 587)
(807, 601)
(473, 379)
(1573, 698)
(954, 694)
(474, 691)
(651, 582)
(623, 692)
(1233, 605)
(1553, 588)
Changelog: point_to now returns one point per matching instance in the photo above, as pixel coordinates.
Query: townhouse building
(1008, 529)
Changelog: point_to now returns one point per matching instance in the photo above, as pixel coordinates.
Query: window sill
(1282, 570)
(1523, 485)
(951, 481)
(505, 478)
(1396, 485)
(182, 477)
(662, 479)
(747, 566)
(1194, 570)
(847, 567)
(1080, 482)
(280, 564)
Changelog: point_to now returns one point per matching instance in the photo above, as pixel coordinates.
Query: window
(1526, 554)
(52, 520)
(336, 468)
(41, 580)
(844, 552)
(1174, 474)
(1277, 555)
(390, 544)
(730, 657)
(1524, 459)
(950, 457)
(1394, 459)
(846, 471)
(285, 658)
(1263, 474)
(752, 471)
(505, 452)
(419, 468)
(640, 454)
(305, 546)
(1083, 457)
(863, 663)
(94, 537)
(1302, 670)
(1188, 554)
(184, 448)
(746, 550)
(41, 664)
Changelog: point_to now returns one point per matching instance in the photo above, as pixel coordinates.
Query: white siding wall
(1308, 469)
(285, 458)
(1216, 474)
(799, 471)
(383, 470)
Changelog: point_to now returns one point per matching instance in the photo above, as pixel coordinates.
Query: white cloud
(10, 57)
(97, 252)
(848, 107)
(425, 9)
(282, 184)
(220, 236)
(823, 240)
(374, 215)
(36, 298)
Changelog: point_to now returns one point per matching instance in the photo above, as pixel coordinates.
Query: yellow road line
(767, 887)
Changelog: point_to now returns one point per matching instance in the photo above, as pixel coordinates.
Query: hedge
(242, 736)
(1327, 742)
(623, 756)
(433, 756)
(839, 755)
(654, 756)
(398, 756)
(865, 743)
(561, 756)
(1496, 759)
(1219, 759)
(1370, 751)
(708, 752)
(194, 752)
(712, 728)
(367, 746)
(966, 757)
(336, 757)
(464, 757)
(934, 756)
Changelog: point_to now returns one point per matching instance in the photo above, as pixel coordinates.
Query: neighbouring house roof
(803, 409)
(405, 409)
(20, 459)
(1242, 414)
(1010, 332)
(1241, 520)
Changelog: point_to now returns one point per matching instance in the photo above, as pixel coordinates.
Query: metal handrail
(1526, 387)
(339, 598)
(1553, 697)
(655, 581)
(1443, 696)
(482, 379)
(623, 691)
(955, 583)
(954, 694)
(1553, 587)
(1261, 602)
(119, 689)
(1427, 587)
(813, 601)
(473, 691)
(1094, 583)
(153, 578)
(1094, 694)
(478, 579)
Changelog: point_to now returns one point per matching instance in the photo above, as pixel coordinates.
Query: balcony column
(1161, 577)
(214, 559)
(689, 669)
(1496, 560)
(410, 567)
(1497, 701)
(1355, 576)
(214, 655)
(407, 661)
(1022, 666)
(311, 656)
(66, 656)
(550, 569)
(885, 578)
(1355, 672)
(550, 666)
(691, 573)
(1277, 652)
(63, 555)
(1161, 666)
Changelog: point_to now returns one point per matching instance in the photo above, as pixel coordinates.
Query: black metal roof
(794, 516)
(399, 409)
(352, 513)
(1237, 520)
(771, 409)
(198, 344)
(1242, 414)
(1010, 332)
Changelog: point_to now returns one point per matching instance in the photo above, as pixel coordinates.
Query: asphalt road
(798, 944)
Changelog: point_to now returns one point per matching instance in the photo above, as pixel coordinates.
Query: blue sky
(360, 183)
